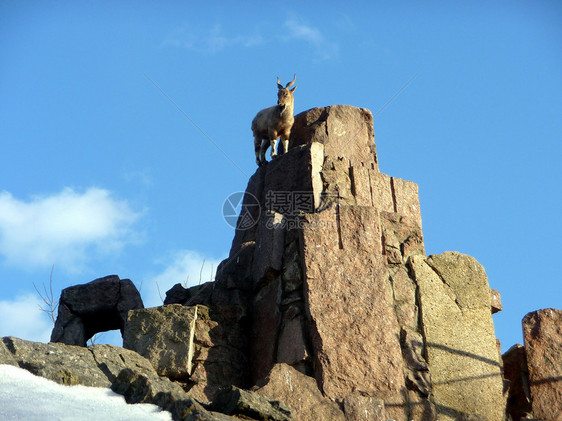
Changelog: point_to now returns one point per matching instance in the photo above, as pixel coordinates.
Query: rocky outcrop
(342, 129)
(97, 306)
(463, 361)
(542, 333)
(163, 335)
(300, 393)
(190, 344)
(138, 387)
(322, 274)
(327, 308)
(517, 378)
(97, 365)
(133, 376)
(247, 405)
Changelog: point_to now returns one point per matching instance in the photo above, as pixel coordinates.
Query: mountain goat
(274, 122)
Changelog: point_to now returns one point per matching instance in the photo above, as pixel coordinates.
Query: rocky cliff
(327, 308)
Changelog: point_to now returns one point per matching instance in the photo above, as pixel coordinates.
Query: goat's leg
(285, 146)
(257, 147)
(273, 148)
(264, 146)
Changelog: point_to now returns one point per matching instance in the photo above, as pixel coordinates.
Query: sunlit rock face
(326, 302)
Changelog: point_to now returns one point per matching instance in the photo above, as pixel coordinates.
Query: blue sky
(102, 170)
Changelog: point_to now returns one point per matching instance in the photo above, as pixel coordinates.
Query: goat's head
(285, 95)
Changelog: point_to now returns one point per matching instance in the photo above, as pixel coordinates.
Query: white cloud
(304, 32)
(210, 40)
(23, 318)
(63, 228)
(139, 177)
(296, 30)
(186, 267)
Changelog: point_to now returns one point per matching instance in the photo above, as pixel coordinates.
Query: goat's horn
(291, 83)
(279, 83)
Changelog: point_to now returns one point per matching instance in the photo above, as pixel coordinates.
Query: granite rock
(542, 333)
(97, 306)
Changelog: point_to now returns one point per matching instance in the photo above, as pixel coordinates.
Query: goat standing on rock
(274, 122)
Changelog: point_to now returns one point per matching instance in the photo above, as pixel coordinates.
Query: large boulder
(139, 387)
(245, 404)
(300, 393)
(459, 335)
(516, 373)
(345, 131)
(194, 344)
(97, 365)
(354, 331)
(97, 306)
(542, 333)
(163, 335)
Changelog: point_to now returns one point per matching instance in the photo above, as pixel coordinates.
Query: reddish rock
(496, 300)
(515, 371)
(381, 191)
(300, 393)
(406, 199)
(344, 130)
(542, 333)
(361, 185)
(364, 408)
(354, 332)
(401, 236)
(359, 228)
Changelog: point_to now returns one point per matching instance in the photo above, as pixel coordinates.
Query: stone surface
(404, 290)
(144, 388)
(327, 273)
(270, 245)
(401, 237)
(163, 335)
(459, 336)
(406, 199)
(344, 130)
(97, 306)
(353, 328)
(300, 393)
(266, 320)
(220, 356)
(417, 377)
(249, 405)
(542, 333)
(6, 356)
(496, 300)
(382, 197)
(515, 371)
(292, 347)
(96, 365)
(364, 408)
(287, 185)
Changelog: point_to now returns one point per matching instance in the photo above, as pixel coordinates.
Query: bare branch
(159, 293)
(48, 298)
(201, 272)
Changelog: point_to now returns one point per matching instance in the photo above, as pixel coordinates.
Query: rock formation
(327, 308)
(542, 333)
(327, 274)
(97, 306)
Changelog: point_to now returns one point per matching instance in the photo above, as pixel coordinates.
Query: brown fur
(274, 122)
